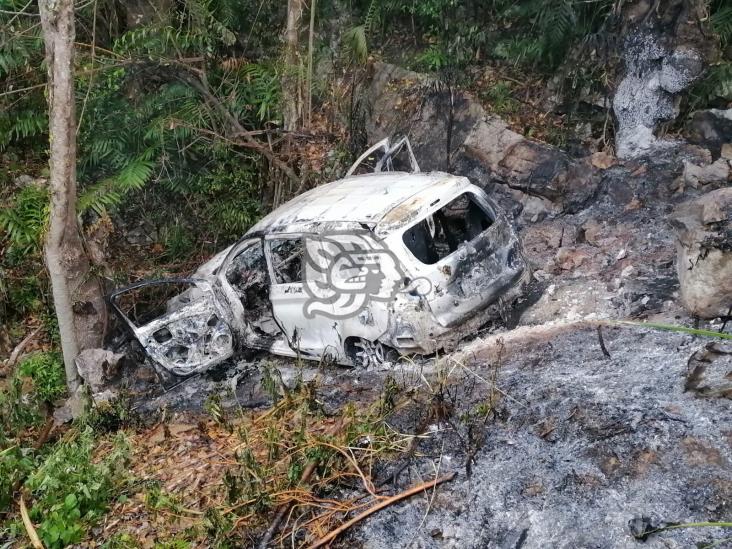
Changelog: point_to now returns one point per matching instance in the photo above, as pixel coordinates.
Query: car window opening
(441, 233)
(247, 274)
(150, 301)
(287, 256)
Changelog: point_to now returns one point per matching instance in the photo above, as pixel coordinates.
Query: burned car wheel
(365, 353)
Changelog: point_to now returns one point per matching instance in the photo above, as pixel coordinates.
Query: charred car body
(356, 271)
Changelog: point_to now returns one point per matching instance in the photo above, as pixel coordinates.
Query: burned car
(357, 271)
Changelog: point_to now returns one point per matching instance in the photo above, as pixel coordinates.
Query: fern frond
(372, 15)
(24, 221)
(134, 175)
(99, 197)
(21, 124)
(722, 24)
(355, 44)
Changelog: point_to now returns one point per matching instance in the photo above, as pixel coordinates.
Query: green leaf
(135, 175)
(676, 328)
(70, 501)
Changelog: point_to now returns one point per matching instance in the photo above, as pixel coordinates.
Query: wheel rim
(369, 353)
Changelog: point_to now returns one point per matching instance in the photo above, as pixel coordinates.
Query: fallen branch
(29, 528)
(244, 137)
(602, 342)
(385, 503)
(10, 364)
(284, 508)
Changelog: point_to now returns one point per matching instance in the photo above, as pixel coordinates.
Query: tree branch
(198, 82)
(10, 364)
(384, 503)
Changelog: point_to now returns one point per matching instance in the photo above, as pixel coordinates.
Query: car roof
(357, 200)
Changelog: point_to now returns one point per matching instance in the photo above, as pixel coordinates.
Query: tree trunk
(309, 92)
(77, 294)
(291, 108)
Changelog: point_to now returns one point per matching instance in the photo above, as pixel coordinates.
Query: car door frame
(145, 333)
(325, 330)
(238, 312)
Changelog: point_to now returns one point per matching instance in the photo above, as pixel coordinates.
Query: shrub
(15, 464)
(71, 491)
(46, 370)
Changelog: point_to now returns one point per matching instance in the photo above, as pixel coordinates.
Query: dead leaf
(727, 151)
(602, 160)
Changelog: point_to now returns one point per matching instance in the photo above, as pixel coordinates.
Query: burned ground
(579, 445)
(562, 425)
(560, 435)
(554, 443)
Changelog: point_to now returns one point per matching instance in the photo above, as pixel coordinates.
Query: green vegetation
(38, 381)
(71, 491)
(716, 87)
(46, 371)
(151, 117)
(454, 34)
(68, 485)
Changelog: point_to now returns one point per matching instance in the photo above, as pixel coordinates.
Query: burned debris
(190, 336)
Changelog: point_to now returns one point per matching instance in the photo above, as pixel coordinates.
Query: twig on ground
(602, 342)
(10, 364)
(29, 528)
(382, 504)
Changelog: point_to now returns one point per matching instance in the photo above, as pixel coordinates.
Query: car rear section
(464, 261)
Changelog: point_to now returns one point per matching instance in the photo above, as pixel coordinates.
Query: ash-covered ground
(579, 445)
(582, 443)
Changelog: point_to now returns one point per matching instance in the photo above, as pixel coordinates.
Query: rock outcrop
(595, 229)
(704, 253)
(450, 131)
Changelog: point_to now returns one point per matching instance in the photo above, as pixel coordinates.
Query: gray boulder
(98, 368)
(704, 253)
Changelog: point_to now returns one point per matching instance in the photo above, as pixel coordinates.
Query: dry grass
(226, 477)
(292, 472)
